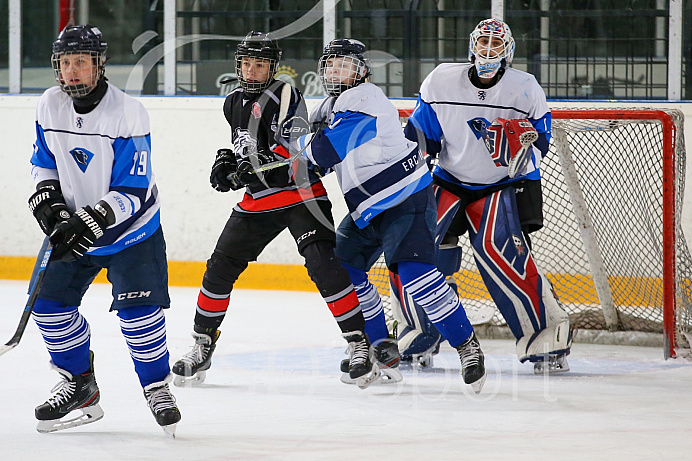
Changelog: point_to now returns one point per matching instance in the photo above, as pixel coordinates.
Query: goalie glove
(509, 143)
(48, 205)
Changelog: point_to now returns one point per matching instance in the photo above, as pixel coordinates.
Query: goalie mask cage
(611, 245)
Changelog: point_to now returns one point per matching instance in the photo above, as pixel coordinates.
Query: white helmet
(489, 60)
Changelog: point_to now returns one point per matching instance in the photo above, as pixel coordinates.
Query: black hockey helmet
(350, 71)
(259, 46)
(80, 39)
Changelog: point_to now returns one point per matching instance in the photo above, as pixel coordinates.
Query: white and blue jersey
(376, 166)
(101, 155)
(451, 112)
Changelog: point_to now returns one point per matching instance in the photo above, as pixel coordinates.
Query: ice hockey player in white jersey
(489, 127)
(97, 201)
(388, 191)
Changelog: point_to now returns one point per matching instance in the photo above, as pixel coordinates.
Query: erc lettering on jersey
(411, 162)
(133, 295)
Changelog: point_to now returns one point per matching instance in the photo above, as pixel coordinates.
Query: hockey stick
(34, 291)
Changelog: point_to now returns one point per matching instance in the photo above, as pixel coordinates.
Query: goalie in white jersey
(489, 127)
(97, 201)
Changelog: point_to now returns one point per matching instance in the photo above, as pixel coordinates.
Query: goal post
(612, 244)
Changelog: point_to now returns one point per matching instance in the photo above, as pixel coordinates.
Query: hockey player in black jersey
(290, 196)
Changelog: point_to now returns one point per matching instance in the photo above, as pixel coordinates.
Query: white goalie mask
(491, 47)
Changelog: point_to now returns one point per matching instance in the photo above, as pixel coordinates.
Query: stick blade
(7, 347)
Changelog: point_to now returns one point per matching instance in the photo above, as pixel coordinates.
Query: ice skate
(75, 402)
(361, 367)
(162, 405)
(190, 370)
(424, 360)
(555, 363)
(388, 359)
(472, 363)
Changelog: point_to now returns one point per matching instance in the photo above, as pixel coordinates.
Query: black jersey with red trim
(254, 120)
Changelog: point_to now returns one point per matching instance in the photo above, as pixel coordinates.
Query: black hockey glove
(289, 131)
(223, 173)
(48, 205)
(74, 236)
(246, 167)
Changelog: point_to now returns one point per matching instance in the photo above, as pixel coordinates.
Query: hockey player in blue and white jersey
(462, 117)
(388, 191)
(97, 201)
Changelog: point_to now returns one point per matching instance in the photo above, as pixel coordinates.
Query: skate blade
(540, 368)
(477, 386)
(170, 430)
(368, 380)
(89, 415)
(190, 381)
(346, 379)
(391, 375)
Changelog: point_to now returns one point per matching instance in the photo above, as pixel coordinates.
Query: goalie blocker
(509, 143)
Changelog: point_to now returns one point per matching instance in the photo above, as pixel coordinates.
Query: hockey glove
(247, 166)
(223, 173)
(73, 237)
(509, 143)
(289, 131)
(48, 205)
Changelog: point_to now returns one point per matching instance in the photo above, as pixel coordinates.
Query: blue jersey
(102, 155)
(451, 112)
(376, 166)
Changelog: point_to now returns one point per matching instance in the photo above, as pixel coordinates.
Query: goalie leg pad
(505, 262)
(553, 341)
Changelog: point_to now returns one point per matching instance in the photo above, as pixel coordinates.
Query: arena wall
(186, 132)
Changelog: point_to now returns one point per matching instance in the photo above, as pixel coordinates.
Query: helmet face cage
(488, 59)
(82, 40)
(259, 47)
(343, 65)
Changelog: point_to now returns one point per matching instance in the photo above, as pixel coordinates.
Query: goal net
(612, 244)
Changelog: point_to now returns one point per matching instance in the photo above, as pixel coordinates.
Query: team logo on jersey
(244, 143)
(79, 121)
(519, 244)
(477, 126)
(256, 110)
(482, 94)
(82, 157)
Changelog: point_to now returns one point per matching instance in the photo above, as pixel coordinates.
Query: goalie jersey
(101, 155)
(451, 112)
(376, 166)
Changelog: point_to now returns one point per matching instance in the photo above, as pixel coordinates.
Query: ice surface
(273, 393)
